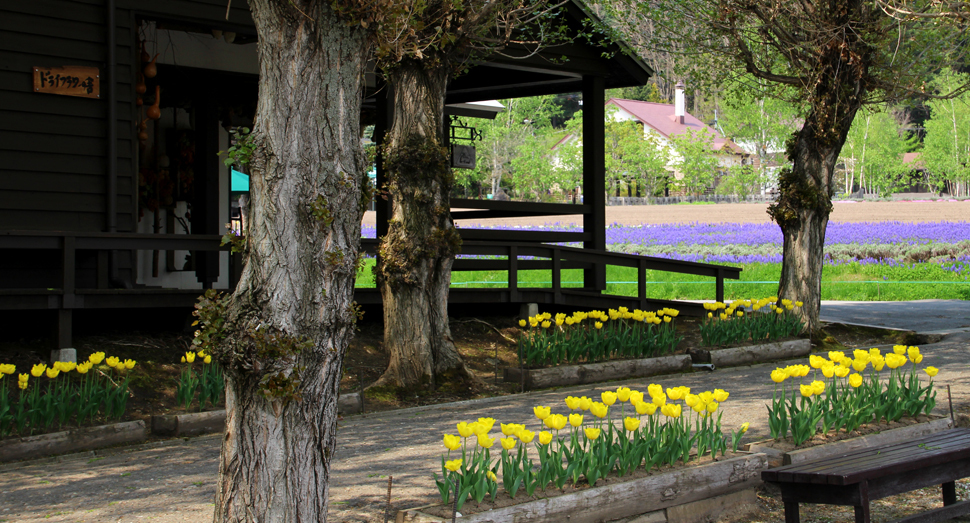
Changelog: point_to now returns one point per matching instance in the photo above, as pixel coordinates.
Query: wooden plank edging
(90, 438)
(626, 499)
(785, 350)
(565, 375)
(887, 437)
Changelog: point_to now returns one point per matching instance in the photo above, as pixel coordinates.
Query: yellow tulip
(654, 390)
(899, 349)
(673, 410)
(542, 412)
(706, 396)
(779, 375)
(488, 423)
(744, 427)
(522, 323)
(691, 399)
(130, 364)
(558, 421)
(189, 357)
(546, 324)
(453, 465)
(7, 368)
(584, 403)
(183, 359)
(609, 397)
(878, 363)
(836, 355)
(509, 429)
(894, 361)
(861, 354)
(465, 430)
(636, 397)
(721, 395)
(631, 424)
(545, 438)
(572, 402)
(674, 394)
(96, 358)
(599, 409)
(815, 361)
(916, 358)
(477, 428)
(208, 359)
(818, 387)
(508, 443)
(452, 442)
(491, 476)
(712, 407)
(24, 377)
(912, 352)
(855, 380)
(575, 420)
(484, 441)
(22, 385)
(37, 370)
(660, 399)
(623, 394)
(828, 370)
(113, 361)
(526, 436)
(598, 325)
(644, 407)
(859, 365)
(592, 433)
(52, 373)
(83, 368)
(842, 371)
(807, 390)
(873, 352)
(932, 371)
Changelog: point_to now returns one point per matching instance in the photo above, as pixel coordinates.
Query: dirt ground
(903, 211)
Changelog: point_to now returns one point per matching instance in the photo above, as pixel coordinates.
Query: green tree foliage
(830, 57)
(695, 161)
(946, 147)
(873, 154)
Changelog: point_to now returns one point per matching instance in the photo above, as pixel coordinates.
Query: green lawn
(852, 282)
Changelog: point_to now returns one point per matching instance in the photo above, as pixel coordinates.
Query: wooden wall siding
(53, 174)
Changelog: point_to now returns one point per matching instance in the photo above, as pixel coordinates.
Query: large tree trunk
(291, 316)
(805, 199)
(416, 255)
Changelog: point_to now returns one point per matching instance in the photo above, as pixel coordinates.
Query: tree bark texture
(291, 316)
(805, 199)
(414, 270)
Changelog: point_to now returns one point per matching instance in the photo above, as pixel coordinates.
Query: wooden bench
(858, 477)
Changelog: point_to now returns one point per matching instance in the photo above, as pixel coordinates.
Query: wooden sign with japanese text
(71, 80)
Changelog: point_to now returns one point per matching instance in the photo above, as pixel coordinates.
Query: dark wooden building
(112, 195)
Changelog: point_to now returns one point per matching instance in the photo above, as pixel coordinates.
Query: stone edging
(661, 494)
(778, 458)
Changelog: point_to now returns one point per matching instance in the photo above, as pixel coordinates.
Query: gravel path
(175, 481)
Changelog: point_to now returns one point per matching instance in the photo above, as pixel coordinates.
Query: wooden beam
(594, 174)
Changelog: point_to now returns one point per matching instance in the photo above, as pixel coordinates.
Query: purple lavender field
(864, 261)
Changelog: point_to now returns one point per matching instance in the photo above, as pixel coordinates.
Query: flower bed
(64, 393)
(597, 443)
(848, 400)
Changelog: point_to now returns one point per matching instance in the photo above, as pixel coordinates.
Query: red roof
(661, 118)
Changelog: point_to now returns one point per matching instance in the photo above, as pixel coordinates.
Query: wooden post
(594, 176)
(513, 273)
(719, 286)
(385, 111)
